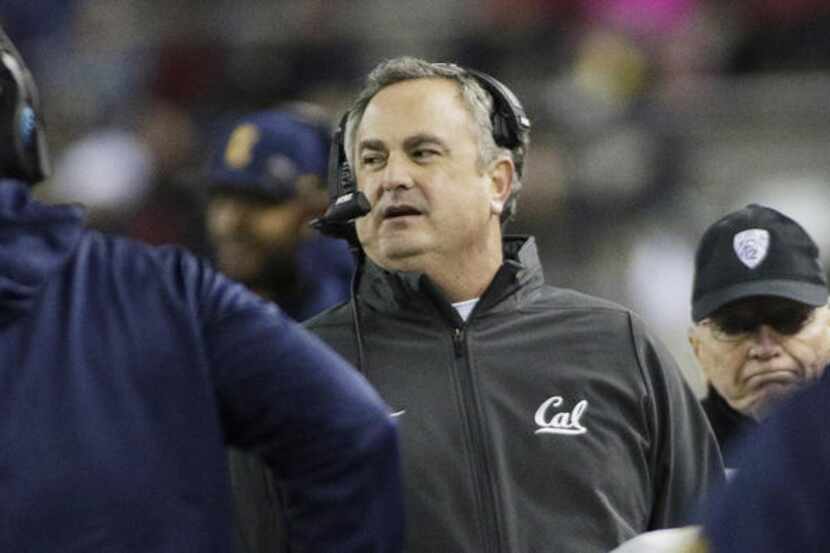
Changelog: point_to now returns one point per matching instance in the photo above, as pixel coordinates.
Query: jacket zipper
(458, 342)
(490, 521)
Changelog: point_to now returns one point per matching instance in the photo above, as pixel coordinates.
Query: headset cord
(355, 285)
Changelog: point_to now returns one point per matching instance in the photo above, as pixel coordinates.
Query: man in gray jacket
(532, 418)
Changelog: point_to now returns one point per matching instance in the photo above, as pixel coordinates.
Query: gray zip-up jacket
(549, 422)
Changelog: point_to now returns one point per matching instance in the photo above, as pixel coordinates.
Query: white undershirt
(465, 307)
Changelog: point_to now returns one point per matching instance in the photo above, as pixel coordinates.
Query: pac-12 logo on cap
(751, 246)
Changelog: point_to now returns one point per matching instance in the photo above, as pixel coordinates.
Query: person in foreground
(266, 179)
(762, 324)
(532, 418)
(127, 371)
(779, 499)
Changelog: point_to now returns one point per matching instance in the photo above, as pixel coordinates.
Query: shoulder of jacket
(566, 298)
(598, 310)
(134, 260)
(335, 316)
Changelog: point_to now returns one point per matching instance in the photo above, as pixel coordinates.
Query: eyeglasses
(737, 322)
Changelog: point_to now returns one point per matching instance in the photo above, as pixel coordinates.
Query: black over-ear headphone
(346, 203)
(23, 152)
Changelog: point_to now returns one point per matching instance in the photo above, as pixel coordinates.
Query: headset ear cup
(345, 202)
(25, 155)
(347, 183)
(34, 158)
(338, 164)
(41, 165)
(508, 116)
(501, 133)
(510, 127)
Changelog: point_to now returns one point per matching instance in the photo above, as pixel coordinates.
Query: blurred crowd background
(652, 118)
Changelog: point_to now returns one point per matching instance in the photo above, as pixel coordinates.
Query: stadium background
(652, 118)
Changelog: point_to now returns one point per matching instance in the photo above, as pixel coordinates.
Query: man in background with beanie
(128, 369)
(266, 179)
(761, 322)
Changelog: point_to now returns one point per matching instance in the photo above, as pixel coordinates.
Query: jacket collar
(35, 240)
(728, 424)
(414, 292)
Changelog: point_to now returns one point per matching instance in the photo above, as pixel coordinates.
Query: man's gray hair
(475, 98)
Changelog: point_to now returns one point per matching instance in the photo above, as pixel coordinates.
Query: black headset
(510, 127)
(346, 203)
(23, 151)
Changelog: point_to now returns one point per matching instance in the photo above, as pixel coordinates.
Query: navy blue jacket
(128, 369)
(780, 498)
(324, 276)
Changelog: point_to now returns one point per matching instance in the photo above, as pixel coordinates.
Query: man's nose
(765, 343)
(397, 173)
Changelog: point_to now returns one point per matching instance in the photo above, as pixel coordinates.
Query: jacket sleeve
(684, 458)
(321, 428)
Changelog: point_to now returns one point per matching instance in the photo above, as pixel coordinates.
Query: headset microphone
(346, 202)
(339, 215)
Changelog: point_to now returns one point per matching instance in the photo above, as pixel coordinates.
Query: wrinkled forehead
(416, 106)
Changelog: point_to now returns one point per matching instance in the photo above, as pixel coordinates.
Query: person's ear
(821, 320)
(823, 311)
(694, 339)
(501, 176)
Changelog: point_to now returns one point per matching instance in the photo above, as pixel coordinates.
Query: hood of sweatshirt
(36, 240)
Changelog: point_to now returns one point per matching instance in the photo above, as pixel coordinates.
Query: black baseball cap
(756, 251)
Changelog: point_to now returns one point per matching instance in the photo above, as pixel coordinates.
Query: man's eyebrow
(423, 138)
(370, 144)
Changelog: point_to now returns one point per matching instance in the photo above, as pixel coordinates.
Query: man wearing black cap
(762, 325)
(266, 180)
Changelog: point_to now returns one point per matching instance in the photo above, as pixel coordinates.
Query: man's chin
(397, 253)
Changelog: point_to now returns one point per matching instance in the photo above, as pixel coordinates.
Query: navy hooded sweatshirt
(127, 369)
